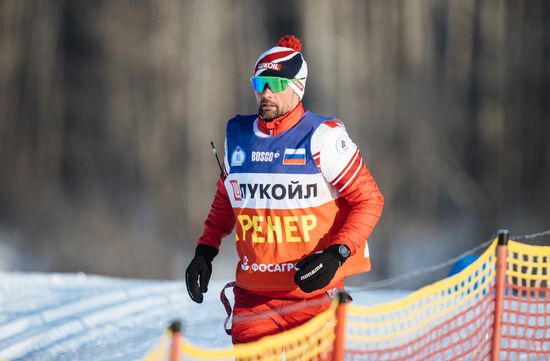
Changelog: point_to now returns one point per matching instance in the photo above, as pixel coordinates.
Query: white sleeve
(335, 154)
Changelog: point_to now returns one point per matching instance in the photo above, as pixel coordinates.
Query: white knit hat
(286, 61)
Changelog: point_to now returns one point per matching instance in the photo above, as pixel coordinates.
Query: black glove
(201, 266)
(317, 270)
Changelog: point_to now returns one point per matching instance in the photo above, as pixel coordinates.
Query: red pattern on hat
(273, 56)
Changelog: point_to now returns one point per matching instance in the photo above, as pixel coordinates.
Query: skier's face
(273, 105)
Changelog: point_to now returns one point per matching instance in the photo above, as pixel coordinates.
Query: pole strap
(227, 306)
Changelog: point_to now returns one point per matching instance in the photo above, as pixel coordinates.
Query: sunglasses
(275, 83)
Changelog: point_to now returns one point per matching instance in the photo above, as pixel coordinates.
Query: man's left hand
(317, 270)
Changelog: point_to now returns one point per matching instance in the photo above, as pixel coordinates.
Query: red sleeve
(220, 220)
(366, 203)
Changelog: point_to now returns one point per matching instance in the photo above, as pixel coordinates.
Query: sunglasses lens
(258, 83)
(276, 84)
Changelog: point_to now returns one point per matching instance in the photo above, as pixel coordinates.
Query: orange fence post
(503, 236)
(340, 340)
(175, 352)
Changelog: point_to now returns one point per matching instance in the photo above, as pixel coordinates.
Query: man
(301, 198)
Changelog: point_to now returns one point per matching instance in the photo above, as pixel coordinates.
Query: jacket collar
(283, 123)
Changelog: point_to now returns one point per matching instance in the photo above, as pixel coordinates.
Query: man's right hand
(198, 272)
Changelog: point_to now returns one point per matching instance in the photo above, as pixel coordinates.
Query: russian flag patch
(294, 156)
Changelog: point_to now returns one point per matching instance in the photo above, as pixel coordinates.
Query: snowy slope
(83, 317)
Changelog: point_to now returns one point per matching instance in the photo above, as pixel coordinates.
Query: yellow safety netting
(161, 350)
(310, 341)
(525, 332)
(452, 319)
(447, 320)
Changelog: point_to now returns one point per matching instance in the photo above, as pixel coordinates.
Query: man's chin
(268, 116)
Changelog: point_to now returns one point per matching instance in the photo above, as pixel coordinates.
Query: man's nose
(267, 91)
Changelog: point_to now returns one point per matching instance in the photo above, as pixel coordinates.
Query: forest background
(107, 109)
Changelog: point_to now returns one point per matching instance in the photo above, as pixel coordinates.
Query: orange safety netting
(447, 320)
(312, 341)
(525, 330)
(452, 319)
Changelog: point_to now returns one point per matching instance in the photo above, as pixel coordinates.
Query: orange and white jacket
(292, 187)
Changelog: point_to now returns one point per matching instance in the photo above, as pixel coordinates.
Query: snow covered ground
(85, 317)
